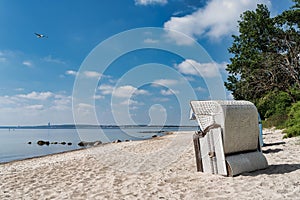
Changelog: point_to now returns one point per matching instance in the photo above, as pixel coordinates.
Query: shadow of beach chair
(228, 141)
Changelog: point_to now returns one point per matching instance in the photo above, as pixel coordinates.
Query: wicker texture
(238, 119)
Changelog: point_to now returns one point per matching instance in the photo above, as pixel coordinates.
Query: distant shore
(36, 142)
(89, 126)
(159, 168)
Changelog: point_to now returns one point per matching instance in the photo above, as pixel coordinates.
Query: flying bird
(40, 35)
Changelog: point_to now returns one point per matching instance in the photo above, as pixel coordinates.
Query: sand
(160, 168)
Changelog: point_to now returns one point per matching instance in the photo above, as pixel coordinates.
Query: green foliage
(265, 67)
(247, 71)
(274, 103)
(295, 94)
(292, 131)
(293, 122)
(266, 54)
(274, 108)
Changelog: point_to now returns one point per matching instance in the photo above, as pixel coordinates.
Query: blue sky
(37, 75)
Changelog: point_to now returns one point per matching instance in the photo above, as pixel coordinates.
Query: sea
(19, 143)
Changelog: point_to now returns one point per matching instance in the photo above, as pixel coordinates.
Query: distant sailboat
(38, 35)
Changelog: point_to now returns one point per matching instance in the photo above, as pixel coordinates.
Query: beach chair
(228, 141)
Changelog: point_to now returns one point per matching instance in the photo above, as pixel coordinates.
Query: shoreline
(30, 158)
(158, 134)
(158, 168)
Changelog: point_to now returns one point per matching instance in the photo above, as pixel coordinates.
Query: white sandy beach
(160, 168)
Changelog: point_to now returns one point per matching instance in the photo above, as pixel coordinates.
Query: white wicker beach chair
(228, 142)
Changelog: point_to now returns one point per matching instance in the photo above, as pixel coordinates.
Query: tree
(288, 41)
(266, 54)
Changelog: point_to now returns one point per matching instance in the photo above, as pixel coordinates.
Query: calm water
(14, 143)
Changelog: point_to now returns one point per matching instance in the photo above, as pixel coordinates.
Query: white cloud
(150, 41)
(7, 55)
(133, 108)
(25, 100)
(49, 58)
(35, 107)
(84, 106)
(36, 95)
(92, 74)
(127, 91)
(2, 59)
(191, 67)
(84, 110)
(19, 89)
(97, 97)
(200, 89)
(106, 89)
(189, 78)
(150, 2)
(168, 92)
(164, 82)
(159, 99)
(62, 102)
(27, 63)
(217, 19)
(71, 72)
(131, 102)
(5, 100)
(157, 114)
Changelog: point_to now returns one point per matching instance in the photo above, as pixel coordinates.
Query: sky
(115, 62)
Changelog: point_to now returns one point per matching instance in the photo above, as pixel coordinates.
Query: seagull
(40, 35)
